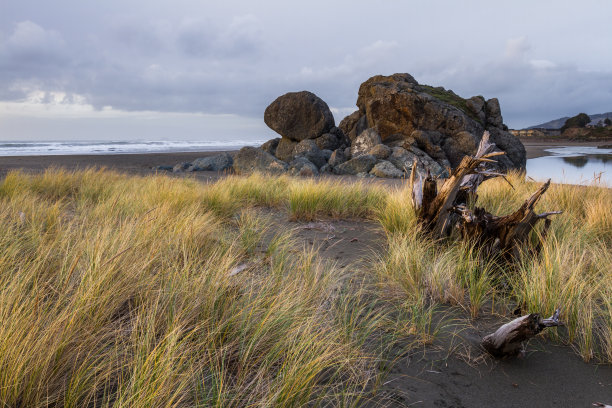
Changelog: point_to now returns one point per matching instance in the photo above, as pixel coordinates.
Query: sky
(188, 69)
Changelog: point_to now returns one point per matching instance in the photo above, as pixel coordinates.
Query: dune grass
(119, 290)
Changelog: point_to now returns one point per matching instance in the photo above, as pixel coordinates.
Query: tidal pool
(573, 165)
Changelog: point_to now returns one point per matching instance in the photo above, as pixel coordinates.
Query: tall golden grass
(120, 290)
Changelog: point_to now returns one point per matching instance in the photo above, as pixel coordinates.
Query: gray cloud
(237, 56)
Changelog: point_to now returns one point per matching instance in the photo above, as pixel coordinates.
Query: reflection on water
(574, 165)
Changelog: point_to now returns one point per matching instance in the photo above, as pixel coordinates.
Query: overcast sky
(187, 69)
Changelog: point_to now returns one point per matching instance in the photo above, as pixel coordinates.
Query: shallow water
(573, 165)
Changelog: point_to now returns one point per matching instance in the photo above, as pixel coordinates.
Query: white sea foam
(118, 147)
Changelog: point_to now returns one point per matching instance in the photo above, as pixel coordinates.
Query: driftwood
(509, 339)
(452, 207)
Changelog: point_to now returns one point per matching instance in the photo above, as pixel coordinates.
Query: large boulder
(299, 115)
(397, 106)
(250, 159)
(364, 142)
(218, 162)
(361, 164)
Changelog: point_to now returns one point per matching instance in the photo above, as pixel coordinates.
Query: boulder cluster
(397, 122)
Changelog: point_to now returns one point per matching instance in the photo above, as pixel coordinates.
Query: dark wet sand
(129, 163)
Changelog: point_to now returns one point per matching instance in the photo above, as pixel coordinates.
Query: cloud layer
(235, 58)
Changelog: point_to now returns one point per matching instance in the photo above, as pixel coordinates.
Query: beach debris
(238, 268)
(452, 207)
(319, 225)
(509, 340)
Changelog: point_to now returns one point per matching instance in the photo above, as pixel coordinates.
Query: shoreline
(537, 148)
(142, 163)
(132, 163)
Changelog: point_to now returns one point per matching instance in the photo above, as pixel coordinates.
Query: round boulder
(299, 115)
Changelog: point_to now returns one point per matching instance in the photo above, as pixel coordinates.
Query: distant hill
(557, 123)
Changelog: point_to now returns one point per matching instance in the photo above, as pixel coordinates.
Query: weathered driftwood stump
(452, 207)
(509, 339)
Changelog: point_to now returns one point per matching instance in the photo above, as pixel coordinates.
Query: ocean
(118, 147)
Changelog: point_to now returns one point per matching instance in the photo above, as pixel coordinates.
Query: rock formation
(299, 115)
(436, 120)
(398, 123)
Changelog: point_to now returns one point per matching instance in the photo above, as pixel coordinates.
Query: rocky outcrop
(398, 121)
(299, 115)
(251, 159)
(397, 106)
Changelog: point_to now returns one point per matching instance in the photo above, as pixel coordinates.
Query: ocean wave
(118, 147)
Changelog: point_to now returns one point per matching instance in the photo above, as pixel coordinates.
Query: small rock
(326, 154)
(327, 141)
(380, 151)
(218, 162)
(326, 169)
(162, 168)
(361, 164)
(250, 159)
(284, 149)
(386, 169)
(309, 149)
(337, 157)
(301, 166)
(402, 159)
(271, 145)
(364, 142)
(181, 167)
